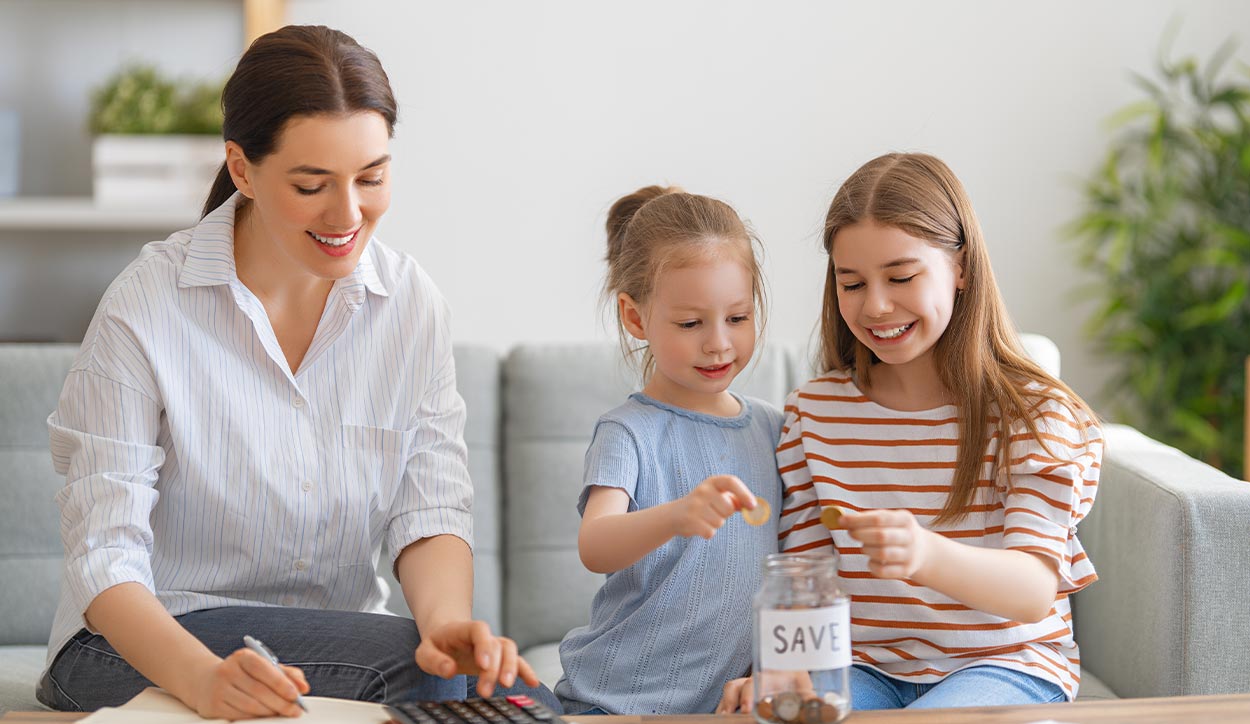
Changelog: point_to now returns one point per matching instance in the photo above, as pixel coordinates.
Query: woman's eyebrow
(314, 171)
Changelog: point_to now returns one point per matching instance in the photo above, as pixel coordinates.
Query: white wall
(523, 120)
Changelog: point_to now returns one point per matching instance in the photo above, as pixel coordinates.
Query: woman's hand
(702, 511)
(244, 685)
(894, 542)
(469, 647)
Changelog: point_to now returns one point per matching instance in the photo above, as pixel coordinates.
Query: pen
(264, 651)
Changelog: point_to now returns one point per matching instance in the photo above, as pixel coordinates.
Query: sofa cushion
(20, 669)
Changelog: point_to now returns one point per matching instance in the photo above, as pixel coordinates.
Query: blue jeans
(343, 654)
(976, 686)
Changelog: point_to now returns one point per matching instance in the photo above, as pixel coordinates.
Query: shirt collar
(210, 254)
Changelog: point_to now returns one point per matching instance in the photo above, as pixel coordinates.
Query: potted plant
(1166, 231)
(157, 141)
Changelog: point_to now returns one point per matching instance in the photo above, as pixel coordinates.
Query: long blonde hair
(662, 227)
(979, 357)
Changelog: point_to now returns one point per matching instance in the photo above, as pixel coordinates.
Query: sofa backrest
(31, 377)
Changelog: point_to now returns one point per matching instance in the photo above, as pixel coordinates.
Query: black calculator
(495, 710)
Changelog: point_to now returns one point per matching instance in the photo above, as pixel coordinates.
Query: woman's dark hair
(298, 70)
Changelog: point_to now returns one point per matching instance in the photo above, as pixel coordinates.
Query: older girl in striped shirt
(961, 468)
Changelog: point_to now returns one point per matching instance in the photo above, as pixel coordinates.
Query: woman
(258, 402)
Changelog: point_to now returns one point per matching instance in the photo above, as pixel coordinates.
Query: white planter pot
(152, 170)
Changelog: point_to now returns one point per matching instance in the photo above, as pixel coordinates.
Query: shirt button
(298, 402)
(307, 486)
(301, 564)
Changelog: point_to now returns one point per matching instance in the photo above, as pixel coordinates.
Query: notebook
(156, 706)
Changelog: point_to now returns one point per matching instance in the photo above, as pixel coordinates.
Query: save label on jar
(805, 639)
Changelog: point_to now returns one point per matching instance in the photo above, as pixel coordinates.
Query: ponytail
(223, 188)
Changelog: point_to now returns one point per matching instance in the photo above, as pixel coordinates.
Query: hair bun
(624, 209)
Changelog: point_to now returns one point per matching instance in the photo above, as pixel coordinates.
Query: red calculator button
(521, 700)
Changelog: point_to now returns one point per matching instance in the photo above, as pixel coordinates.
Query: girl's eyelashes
(893, 280)
(307, 191)
(739, 318)
(688, 325)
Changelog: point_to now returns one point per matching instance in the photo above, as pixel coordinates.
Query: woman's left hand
(469, 647)
(894, 542)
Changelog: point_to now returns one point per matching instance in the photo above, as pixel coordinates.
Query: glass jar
(802, 641)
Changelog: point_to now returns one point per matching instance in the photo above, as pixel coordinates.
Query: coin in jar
(787, 706)
(764, 708)
(758, 515)
(811, 711)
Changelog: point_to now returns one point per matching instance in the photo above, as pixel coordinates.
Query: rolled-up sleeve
(102, 438)
(436, 494)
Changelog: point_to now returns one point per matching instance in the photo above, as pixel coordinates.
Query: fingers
(738, 491)
(507, 661)
(266, 688)
(297, 677)
(527, 673)
(730, 696)
(433, 661)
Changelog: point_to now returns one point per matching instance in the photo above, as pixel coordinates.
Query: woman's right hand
(702, 511)
(244, 685)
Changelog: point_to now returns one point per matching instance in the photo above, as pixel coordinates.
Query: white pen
(264, 651)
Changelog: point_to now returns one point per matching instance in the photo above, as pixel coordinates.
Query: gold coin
(830, 516)
(761, 513)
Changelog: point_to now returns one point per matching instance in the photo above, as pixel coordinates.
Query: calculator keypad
(495, 710)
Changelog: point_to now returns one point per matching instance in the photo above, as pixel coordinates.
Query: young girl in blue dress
(668, 469)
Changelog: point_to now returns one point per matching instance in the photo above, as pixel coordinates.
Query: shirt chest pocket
(374, 460)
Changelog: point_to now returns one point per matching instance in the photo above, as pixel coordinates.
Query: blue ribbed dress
(666, 633)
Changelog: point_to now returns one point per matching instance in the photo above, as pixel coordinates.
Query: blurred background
(521, 122)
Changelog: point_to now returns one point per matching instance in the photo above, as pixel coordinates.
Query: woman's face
(318, 197)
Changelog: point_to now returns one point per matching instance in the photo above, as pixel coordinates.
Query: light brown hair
(298, 70)
(662, 227)
(979, 357)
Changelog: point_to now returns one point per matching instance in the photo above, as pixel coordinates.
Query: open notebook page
(155, 706)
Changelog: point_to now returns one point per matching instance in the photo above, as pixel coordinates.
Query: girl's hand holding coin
(895, 543)
(705, 509)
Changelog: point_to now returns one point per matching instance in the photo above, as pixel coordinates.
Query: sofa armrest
(1170, 539)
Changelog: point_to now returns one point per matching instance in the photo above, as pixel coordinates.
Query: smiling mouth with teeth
(892, 332)
(333, 240)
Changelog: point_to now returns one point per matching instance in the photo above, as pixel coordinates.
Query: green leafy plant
(1166, 230)
(139, 100)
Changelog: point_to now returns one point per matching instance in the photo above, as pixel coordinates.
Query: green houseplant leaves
(138, 100)
(1166, 231)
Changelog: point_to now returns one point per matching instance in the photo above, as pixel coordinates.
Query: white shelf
(82, 213)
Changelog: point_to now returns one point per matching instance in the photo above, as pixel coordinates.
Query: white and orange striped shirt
(840, 448)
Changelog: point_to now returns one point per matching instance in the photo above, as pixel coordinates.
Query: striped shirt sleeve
(436, 494)
(103, 440)
(800, 514)
(1052, 488)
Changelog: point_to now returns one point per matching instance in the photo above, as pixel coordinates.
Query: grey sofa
(1170, 536)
